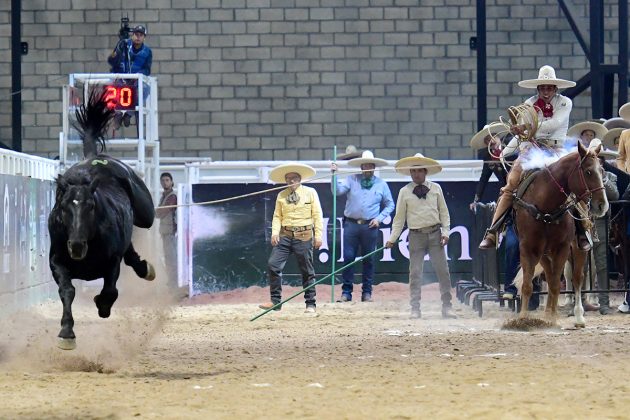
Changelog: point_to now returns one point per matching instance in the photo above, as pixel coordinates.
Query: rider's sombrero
(278, 173)
(367, 157)
(609, 139)
(546, 76)
(477, 141)
(616, 122)
(403, 165)
(577, 129)
(624, 111)
(351, 153)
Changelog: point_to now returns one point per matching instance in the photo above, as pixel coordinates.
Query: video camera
(125, 30)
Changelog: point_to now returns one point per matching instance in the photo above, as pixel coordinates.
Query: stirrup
(585, 243)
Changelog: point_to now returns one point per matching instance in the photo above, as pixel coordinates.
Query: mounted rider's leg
(583, 227)
(503, 206)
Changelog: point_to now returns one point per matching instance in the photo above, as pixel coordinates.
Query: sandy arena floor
(205, 359)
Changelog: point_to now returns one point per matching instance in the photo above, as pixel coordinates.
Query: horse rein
(587, 191)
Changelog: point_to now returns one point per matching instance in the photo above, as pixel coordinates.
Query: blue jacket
(131, 60)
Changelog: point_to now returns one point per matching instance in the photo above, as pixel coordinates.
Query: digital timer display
(121, 97)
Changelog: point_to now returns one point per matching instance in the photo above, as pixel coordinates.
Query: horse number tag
(97, 161)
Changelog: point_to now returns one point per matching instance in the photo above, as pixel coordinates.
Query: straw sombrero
(608, 154)
(367, 157)
(577, 129)
(351, 153)
(609, 139)
(277, 174)
(624, 111)
(477, 142)
(432, 166)
(546, 76)
(616, 122)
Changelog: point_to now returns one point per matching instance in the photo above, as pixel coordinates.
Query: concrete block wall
(288, 79)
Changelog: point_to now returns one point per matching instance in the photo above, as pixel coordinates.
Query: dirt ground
(203, 358)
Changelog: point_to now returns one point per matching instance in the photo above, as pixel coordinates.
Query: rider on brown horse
(553, 115)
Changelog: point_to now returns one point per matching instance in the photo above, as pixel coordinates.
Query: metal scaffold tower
(134, 133)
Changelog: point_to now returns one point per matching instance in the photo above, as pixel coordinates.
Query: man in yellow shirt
(623, 160)
(421, 204)
(296, 228)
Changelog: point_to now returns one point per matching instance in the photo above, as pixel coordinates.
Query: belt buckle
(360, 222)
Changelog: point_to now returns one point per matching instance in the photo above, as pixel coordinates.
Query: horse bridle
(587, 191)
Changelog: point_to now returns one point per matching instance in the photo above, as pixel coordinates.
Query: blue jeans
(355, 236)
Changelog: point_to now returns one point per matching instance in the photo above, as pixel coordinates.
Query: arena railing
(22, 164)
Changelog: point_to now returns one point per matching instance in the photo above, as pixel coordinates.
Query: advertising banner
(24, 271)
(230, 240)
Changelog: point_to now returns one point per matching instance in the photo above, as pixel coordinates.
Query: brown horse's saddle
(527, 177)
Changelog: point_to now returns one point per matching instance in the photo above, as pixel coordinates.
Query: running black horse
(98, 201)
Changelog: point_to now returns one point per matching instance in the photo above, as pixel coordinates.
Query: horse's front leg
(526, 288)
(109, 293)
(579, 259)
(553, 271)
(67, 339)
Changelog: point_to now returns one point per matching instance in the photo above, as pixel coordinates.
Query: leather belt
(429, 229)
(357, 221)
(297, 228)
(550, 142)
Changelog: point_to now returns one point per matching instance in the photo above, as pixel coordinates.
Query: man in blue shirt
(368, 202)
(131, 55)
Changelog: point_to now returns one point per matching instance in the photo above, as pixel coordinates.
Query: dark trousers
(357, 236)
(303, 251)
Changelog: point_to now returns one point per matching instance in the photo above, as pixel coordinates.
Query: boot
(504, 204)
(583, 236)
(448, 313)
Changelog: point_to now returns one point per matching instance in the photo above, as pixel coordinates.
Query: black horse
(97, 203)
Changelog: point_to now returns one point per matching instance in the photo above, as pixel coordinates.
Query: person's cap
(140, 28)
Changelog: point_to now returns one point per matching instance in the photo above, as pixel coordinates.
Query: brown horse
(546, 228)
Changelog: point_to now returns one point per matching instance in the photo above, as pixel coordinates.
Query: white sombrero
(577, 129)
(477, 141)
(367, 157)
(624, 111)
(608, 154)
(609, 139)
(546, 76)
(432, 166)
(616, 122)
(351, 153)
(278, 173)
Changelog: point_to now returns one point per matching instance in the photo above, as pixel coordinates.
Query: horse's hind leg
(67, 339)
(526, 287)
(109, 294)
(143, 268)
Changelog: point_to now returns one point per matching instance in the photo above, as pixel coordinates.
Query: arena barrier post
(317, 282)
(333, 254)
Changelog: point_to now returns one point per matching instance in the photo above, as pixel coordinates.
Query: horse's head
(78, 214)
(587, 181)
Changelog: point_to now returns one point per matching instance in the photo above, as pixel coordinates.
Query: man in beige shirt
(296, 228)
(422, 206)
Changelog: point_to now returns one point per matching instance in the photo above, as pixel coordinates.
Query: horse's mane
(92, 122)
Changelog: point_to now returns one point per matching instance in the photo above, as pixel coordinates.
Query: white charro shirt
(556, 126)
(419, 212)
(552, 128)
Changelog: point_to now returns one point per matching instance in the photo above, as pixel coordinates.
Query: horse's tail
(518, 279)
(92, 122)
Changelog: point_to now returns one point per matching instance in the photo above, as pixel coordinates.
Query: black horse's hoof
(150, 275)
(67, 343)
(103, 311)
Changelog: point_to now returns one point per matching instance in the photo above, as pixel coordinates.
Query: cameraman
(131, 55)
